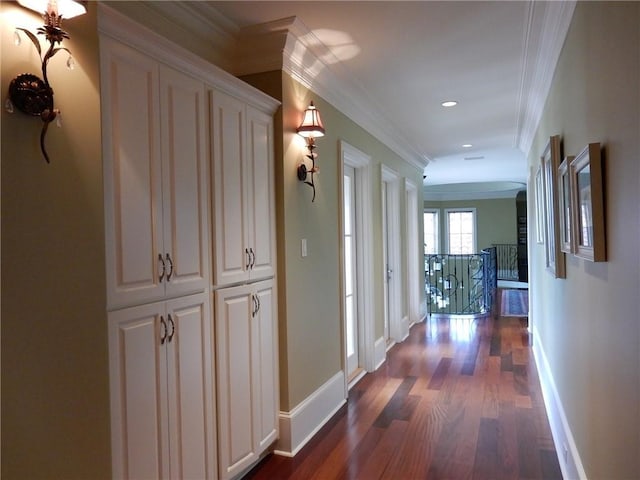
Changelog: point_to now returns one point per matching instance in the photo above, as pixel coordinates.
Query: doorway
(357, 264)
(392, 266)
(350, 279)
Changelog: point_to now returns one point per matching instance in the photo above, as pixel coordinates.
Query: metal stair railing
(507, 261)
(460, 284)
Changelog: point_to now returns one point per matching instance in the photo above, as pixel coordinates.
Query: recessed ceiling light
(467, 145)
(449, 103)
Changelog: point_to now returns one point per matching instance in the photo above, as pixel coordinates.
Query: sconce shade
(311, 126)
(65, 8)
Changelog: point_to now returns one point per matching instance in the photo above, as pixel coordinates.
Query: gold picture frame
(588, 204)
(564, 207)
(554, 256)
(539, 206)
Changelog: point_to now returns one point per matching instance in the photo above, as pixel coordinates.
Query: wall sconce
(27, 92)
(310, 128)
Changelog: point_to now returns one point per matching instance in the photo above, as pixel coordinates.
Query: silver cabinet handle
(253, 258)
(164, 267)
(248, 264)
(163, 336)
(173, 328)
(170, 267)
(255, 306)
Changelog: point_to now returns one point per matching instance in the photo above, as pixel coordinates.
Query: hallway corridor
(458, 399)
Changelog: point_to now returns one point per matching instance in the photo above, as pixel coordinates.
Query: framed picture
(555, 260)
(564, 208)
(588, 204)
(539, 206)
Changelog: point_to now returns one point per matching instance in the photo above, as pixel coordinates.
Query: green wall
(55, 396)
(309, 288)
(588, 324)
(495, 219)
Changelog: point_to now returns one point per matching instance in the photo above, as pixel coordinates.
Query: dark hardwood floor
(459, 399)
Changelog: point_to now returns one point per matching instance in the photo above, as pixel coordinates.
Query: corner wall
(587, 326)
(55, 395)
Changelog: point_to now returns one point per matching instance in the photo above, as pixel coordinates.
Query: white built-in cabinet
(189, 185)
(155, 174)
(246, 356)
(242, 178)
(163, 421)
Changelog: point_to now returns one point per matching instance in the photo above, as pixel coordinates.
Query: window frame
(471, 210)
(436, 212)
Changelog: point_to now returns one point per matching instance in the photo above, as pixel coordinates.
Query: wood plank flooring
(459, 399)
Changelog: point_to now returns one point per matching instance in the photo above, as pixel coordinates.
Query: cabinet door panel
(191, 420)
(265, 361)
(229, 198)
(234, 362)
(138, 394)
(133, 206)
(184, 181)
(261, 193)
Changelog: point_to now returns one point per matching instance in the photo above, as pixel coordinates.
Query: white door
(396, 327)
(132, 175)
(261, 228)
(190, 387)
(350, 272)
(184, 187)
(357, 165)
(139, 410)
(229, 182)
(385, 260)
(265, 340)
(413, 259)
(235, 307)
(247, 380)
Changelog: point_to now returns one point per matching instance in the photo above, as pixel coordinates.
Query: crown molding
(547, 24)
(204, 26)
(289, 45)
(115, 24)
(455, 196)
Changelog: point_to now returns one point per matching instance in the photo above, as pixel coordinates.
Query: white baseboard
(379, 352)
(405, 328)
(299, 425)
(568, 455)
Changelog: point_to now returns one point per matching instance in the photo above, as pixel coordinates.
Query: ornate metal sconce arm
(31, 94)
(304, 172)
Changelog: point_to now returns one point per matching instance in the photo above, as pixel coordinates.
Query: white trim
(414, 255)
(289, 45)
(299, 425)
(430, 195)
(362, 164)
(380, 349)
(121, 28)
(356, 379)
(540, 58)
(562, 436)
(436, 212)
(397, 330)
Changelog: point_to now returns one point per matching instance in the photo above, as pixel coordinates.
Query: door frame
(392, 180)
(414, 280)
(362, 165)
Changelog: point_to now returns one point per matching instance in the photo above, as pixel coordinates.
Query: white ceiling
(397, 61)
